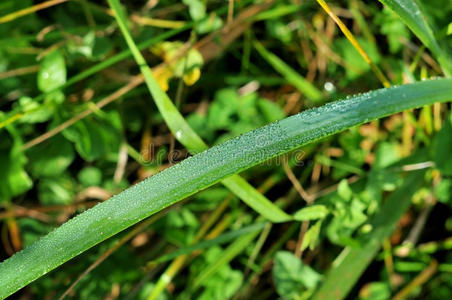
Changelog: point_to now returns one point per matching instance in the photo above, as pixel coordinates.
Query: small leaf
(52, 73)
(312, 212)
(443, 191)
(193, 60)
(386, 154)
(344, 190)
(291, 276)
(375, 291)
(90, 176)
(393, 28)
(94, 138)
(279, 30)
(192, 76)
(222, 284)
(33, 111)
(272, 112)
(311, 236)
(13, 178)
(206, 25)
(52, 157)
(196, 8)
(56, 190)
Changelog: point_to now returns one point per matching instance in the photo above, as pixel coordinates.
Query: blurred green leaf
(221, 239)
(206, 25)
(443, 191)
(90, 176)
(94, 138)
(375, 291)
(51, 157)
(178, 226)
(91, 46)
(208, 199)
(393, 28)
(344, 190)
(311, 237)
(386, 154)
(34, 112)
(291, 276)
(220, 285)
(357, 65)
(313, 212)
(279, 30)
(271, 111)
(352, 262)
(348, 214)
(196, 8)
(13, 178)
(56, 190)
(52, 73)
(32, 230)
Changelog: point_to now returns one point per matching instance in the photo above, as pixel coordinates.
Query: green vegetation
(277, 149)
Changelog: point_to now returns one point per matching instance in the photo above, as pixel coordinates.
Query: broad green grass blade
(185, 134)
(352, 262)
(411, 15)
(221, 239)
(304, 86)
(205, 169)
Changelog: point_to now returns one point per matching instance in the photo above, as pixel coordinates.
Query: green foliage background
(386, 183)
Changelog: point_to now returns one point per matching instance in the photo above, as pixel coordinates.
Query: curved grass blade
(205, 169)
(411, 15)
(187, 136)
(352, 262)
